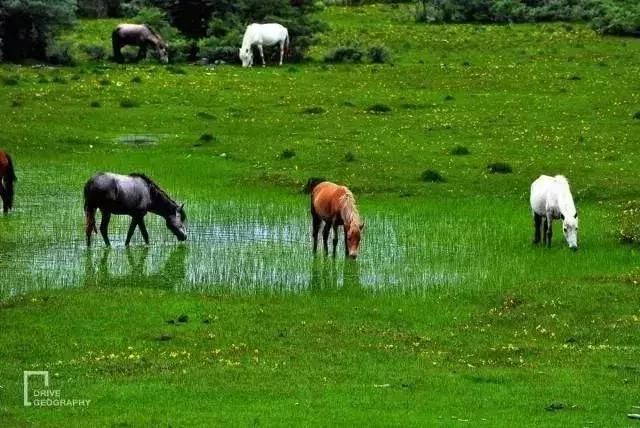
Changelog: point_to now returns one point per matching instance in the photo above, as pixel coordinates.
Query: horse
(263, 35)
(551, 199)
(335, 206)
(134, 195)
(139, 35)
(7, 178)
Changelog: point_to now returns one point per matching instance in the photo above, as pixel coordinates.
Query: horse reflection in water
(171, 276)
(326, 276)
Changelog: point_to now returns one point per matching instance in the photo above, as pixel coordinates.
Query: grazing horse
(143, 36)
(7, 178)
(551, 199)
(263, 35)
(133, 195)
(335, 206)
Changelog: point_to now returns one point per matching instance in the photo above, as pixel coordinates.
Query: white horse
(263, 35)
(551, 199)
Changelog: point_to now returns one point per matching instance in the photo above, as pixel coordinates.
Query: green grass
(449, 315)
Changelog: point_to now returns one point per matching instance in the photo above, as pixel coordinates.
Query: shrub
(344, 54)
(432, 176)
(460, 151)
(379, 55)
(379, 108)
(94, 52)
(499, 168)
(60, 54)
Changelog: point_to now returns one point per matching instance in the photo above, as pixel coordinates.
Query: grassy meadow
(449, 317)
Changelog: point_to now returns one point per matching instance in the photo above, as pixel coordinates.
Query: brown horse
(142, 36)
(7, 178)
(335, 206)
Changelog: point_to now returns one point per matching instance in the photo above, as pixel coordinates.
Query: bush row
(620, 17)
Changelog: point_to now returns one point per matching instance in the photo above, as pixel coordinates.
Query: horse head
(246, 56)
(175, 223)
(354, 234)
(570, 230)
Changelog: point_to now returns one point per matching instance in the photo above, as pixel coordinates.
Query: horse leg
(4, 196)
(335, 239)
(143, 230)
(316, 228)
(346, 244)
(262, 55)
(90, 223)
(132, 228)
(325, 237)
(281, 52)
(104, 226)
(115, 42)
(537, 225)
(142, 52)
(549, 230)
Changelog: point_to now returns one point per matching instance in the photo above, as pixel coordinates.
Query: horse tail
(286, 45)
(311, 184)
(9, 179)
(89, 212)
(115, 44)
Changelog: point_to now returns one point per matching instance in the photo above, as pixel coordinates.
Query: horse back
(326, 199)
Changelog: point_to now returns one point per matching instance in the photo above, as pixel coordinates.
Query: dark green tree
(27, 27)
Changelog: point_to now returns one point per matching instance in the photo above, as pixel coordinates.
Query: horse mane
(349, 210)
(153, 187)
(155, 33)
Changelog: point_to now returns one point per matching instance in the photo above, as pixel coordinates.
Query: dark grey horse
(133, 195)
(142, 36)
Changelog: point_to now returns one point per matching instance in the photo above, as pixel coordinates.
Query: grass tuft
(95, 104)
(206, 116)
(379, 108)
(287, 154)
(432, 176)
(207, 138)
(499, 168)
(460, 151)
(129, 103)
(313, 110)
(350, 157)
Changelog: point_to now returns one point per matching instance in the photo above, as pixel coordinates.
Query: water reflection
(327, 275)
(138, 271)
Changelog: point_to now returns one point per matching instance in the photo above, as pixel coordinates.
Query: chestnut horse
(335, 206)
(7, 178)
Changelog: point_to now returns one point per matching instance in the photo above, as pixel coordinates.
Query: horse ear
(575, 215)
(361, 226)
(181, 207)
(562, 216)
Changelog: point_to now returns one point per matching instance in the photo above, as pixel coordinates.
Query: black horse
(142, 36)
(133, 195)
